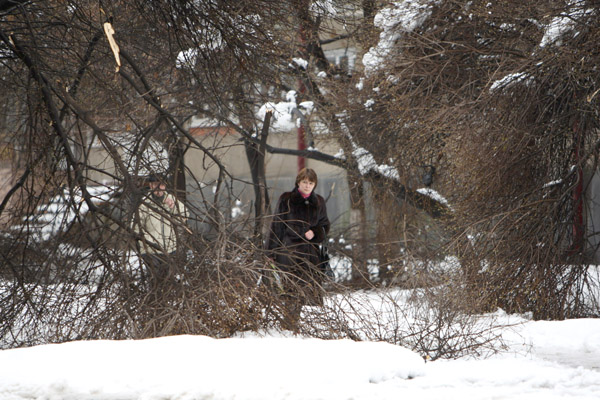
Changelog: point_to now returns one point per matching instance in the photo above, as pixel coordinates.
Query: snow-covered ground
(546, 360)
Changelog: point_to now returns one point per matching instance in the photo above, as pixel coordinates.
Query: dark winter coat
(294, 216)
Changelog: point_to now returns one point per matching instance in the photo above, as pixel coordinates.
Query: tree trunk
(360, 232)
(177, 166)
(256, 160)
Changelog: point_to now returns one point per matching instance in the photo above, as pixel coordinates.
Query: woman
(299, 225)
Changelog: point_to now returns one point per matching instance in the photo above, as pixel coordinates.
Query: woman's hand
(309, 235)
(170, 202)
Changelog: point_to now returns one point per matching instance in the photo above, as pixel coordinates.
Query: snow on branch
(558, 27)
(209, 37)
(510, 80)
(401, 17)
(564, 23)
(424, 198)
(433, 195)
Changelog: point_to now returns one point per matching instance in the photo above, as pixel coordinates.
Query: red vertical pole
(301, 146)
(301, 136)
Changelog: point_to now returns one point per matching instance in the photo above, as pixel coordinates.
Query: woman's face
(306, 186)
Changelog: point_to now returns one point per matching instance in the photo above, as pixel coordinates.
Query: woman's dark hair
(307, 173)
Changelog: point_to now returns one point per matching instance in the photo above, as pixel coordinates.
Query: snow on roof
(300, 62)
(283, 119)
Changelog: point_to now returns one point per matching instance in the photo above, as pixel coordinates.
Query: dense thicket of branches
(507, 112)
(475, 101)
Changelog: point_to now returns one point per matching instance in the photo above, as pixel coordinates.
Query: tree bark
(256, 160)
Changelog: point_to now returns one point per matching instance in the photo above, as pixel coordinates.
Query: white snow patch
(399, 18)
(194, 367)
(511, 79)
(360, 84)
(434, 195)
(307, 106)
(545, 360)
(340, 154)
(562, 24)
(283, 119)
(300, 62)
